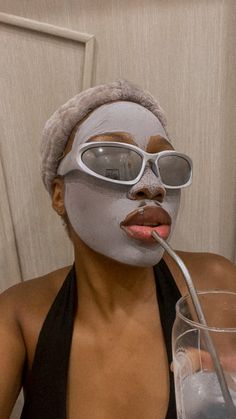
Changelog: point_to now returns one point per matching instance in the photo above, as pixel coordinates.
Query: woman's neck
(110, 289)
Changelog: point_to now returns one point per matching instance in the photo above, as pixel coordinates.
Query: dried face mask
(100, 211)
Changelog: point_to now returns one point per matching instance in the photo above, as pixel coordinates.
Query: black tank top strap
(47, 385)
(167, 295)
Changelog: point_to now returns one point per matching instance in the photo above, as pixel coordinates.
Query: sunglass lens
(116, 163)
(174, 170)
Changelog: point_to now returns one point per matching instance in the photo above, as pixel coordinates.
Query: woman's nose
(149, 187)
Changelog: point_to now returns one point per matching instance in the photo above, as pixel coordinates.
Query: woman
(93, 341)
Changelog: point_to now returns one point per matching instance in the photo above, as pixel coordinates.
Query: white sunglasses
(124, 164)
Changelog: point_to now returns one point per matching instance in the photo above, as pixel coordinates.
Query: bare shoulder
(29, 293)
(23, 308)
(208, 271)
(32, 298)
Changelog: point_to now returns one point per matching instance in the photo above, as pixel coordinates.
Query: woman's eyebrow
(121, 137)
(158, 143)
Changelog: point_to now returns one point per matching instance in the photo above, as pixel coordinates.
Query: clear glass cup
(198, 393)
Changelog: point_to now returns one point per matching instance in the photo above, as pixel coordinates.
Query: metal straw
(201, 318)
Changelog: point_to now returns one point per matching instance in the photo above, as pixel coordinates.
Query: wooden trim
(85, 38)
(88, 63)
(10, 231)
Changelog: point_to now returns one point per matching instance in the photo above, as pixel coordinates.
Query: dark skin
(118, 363)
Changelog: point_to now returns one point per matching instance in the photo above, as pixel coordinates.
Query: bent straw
(201, 318)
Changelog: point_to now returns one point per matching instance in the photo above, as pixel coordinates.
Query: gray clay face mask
(115, 220)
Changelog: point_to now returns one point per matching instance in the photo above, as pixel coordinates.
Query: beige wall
(182, 51)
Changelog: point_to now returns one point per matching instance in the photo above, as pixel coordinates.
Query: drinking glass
(198, 392)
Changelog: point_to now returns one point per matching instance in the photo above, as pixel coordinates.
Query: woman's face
(117, 220)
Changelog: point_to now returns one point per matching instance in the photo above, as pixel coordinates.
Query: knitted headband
(59, 127)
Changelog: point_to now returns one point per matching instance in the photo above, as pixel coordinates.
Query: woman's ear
(58, 196)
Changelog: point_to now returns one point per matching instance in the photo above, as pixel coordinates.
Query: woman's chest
(127, 377)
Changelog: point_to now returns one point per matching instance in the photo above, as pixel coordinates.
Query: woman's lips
(145, 232)
(140, 223)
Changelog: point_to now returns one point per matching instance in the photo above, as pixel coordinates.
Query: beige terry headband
(59, 127)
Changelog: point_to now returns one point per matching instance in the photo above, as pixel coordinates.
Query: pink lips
(140, 223)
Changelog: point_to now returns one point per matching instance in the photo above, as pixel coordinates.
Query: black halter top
(47, 386)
